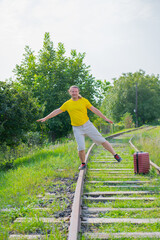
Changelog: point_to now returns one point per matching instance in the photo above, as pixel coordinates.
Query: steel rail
(76, 207)
(75, 220)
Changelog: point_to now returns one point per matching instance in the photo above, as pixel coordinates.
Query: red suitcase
(141, 162)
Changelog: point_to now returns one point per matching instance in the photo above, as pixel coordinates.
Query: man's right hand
(41, 120)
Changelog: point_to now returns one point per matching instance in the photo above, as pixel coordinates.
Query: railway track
(111, 202)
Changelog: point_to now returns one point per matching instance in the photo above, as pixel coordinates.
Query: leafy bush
(18, 113)
(33, 138)
(128, 120)
(118, 126)
(102, 126)
(9, 154)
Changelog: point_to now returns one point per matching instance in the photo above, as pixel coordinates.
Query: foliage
(8, 154)
(49, 76)
(18, 112)
(104, 86)
(118, 127)
(122, 97)
(127, 120)
(102, 125)
(125, 123)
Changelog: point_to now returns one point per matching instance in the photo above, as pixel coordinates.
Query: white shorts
(87, 129)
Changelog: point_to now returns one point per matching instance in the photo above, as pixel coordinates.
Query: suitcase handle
(137, 162)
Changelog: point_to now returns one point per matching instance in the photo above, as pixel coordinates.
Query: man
(77, 108)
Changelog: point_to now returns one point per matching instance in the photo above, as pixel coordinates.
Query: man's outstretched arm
(97, 112)
(51, 115)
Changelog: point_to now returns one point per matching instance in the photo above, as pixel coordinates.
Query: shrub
(128, 120)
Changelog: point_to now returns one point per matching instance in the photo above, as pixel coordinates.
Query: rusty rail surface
(76, 207)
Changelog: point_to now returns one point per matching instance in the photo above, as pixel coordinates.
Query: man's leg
(80, 139)
(82, 158)
(95, 135)
(108, 147)
(82, 155)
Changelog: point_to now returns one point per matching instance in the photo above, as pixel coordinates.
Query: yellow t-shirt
(77, 110)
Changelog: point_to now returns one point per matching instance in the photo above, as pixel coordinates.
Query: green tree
(49, 76)
(122, 97)
(26, 71)
(104, 90)
(18, 112)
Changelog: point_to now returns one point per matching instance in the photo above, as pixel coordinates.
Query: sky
(118, 36)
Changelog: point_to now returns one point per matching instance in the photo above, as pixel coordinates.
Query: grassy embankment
(46, 170)
(149, 141)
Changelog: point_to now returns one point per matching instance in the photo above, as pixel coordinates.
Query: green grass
(51, 169)
(131, 214)
(125, 227)
(149, 141)
(33, 174)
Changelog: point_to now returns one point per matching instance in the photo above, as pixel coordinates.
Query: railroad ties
(42, 216)
(37, 220)
(116, 203)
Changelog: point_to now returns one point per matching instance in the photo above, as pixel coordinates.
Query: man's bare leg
(82, 158)
(108, 147)
(82, 155)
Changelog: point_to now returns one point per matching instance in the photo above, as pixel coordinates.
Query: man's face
(74, 92)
